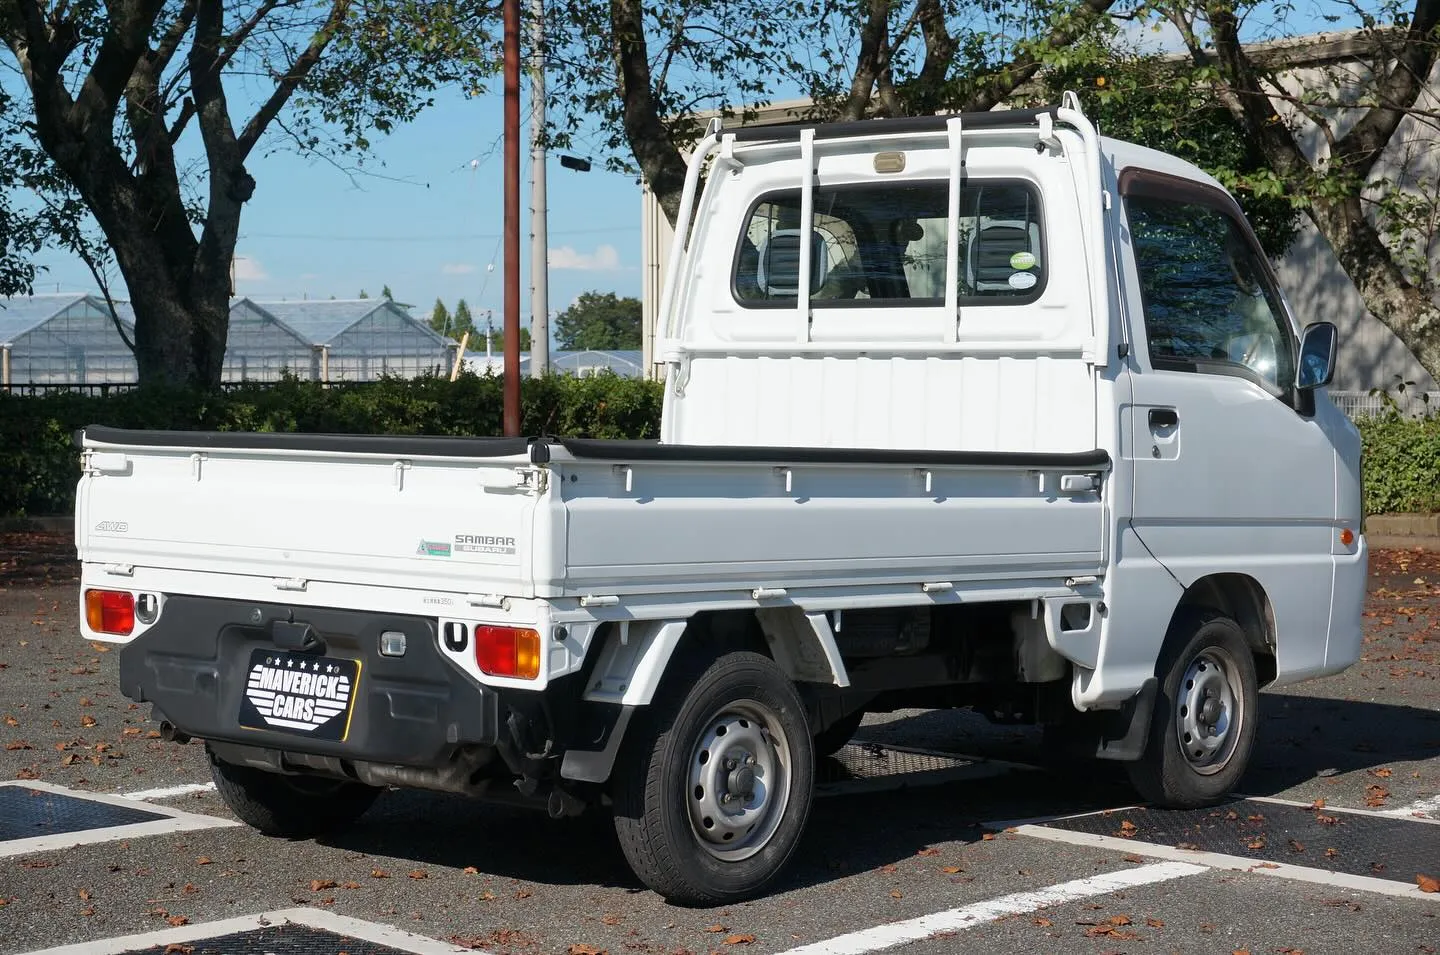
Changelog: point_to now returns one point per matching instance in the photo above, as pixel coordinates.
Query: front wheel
(713, 788)
(1203, 727)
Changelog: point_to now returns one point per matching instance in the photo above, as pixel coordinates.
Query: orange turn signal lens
(508, 651)
(110, 611)
(1347, 536)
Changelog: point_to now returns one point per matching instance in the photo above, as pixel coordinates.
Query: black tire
(1186, 765)
(833, 738)
(293, 807)
(680, 850)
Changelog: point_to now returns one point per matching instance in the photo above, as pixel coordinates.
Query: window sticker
(1022, 261)
(1022, 280)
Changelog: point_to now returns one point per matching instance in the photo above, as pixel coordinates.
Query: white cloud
(604, 259)
(457, 268)
(249, 270)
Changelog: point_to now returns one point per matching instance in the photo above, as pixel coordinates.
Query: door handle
(1164, 418)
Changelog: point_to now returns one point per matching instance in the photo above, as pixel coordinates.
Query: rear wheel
(712, 789)
(1203, 728)
(295, 807)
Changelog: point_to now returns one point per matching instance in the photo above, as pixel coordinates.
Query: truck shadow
(891, 821)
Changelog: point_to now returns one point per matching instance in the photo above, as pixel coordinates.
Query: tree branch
(1020, 70)
(1359, 149)
(160, 58)
(293, 77)
(940, 49)
(126, 40)
(868, 61)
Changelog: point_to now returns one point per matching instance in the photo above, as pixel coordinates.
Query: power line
(469, 237)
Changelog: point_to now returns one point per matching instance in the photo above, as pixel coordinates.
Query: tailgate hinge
(105, 462)
(291, 583)
(531, 480)
(120, 570)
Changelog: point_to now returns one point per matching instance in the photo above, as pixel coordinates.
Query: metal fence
(1362, 404)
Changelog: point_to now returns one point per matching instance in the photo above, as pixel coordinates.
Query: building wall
(78, 346)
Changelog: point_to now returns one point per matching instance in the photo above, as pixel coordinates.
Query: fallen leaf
(1119, 920)
(1427, 883)
(379, 874)
(175, 948)
(87, 720)
(350, 885)
(1382, 773)
(1042, 921)
(1297, 846)
(1127, 828)
(84, 895)
(19, 745)
(1132, 857)
(11, 721)
(204, 860)
(951, 869)
(178, 920)
(317, 884)
(988, 837)
(579, 948)
(1331, 853)
(419, 874)
(523, 894)
(896, 894)
(928, 852)
(471, 870)
(1154, 923)
(1257, 843)
(1318, 804)
(740, 940)
(714, 928)
(1325, 820)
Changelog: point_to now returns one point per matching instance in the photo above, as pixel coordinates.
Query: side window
(884, 244)
(1206, 302)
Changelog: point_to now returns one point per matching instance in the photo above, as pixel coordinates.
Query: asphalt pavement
(936, 832)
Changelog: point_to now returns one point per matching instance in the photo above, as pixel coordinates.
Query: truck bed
(577, 518)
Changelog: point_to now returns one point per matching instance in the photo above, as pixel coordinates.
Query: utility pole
(512, 219)
(539, 243)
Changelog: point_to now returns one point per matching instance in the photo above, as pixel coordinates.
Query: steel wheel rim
(1211, 713)
(739, 780)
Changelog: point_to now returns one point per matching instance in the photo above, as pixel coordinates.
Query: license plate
(299, 693)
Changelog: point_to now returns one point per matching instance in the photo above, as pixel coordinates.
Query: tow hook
(564, 803)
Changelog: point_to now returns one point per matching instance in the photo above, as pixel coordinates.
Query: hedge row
(39, 465)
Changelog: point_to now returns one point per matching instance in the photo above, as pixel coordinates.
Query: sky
(427, 219)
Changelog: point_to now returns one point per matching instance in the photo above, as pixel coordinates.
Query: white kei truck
(969, 410)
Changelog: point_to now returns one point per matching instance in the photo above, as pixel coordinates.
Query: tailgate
(420, 512)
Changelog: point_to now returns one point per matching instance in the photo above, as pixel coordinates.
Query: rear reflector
(110, 611)
(508, 651)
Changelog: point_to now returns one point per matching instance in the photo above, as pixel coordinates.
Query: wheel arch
(1243, 599)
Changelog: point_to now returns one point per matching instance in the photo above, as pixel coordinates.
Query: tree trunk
(1402, 307)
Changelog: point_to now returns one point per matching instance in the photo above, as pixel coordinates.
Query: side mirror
(1317, 356)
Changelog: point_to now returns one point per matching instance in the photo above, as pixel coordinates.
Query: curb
(1403, 525)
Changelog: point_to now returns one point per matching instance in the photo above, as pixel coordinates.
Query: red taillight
(508, 651)
(110, 611)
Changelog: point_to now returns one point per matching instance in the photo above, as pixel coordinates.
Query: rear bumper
(196, 664)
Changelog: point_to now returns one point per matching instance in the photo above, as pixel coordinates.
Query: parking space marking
(1135, 845)
(312, 918)
(170, 792)
(171, 820)
(916, 929)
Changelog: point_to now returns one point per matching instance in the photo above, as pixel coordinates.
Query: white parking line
(169, 820)
(912, 930)
(1419, 809)
(313, 918)
(170, 791)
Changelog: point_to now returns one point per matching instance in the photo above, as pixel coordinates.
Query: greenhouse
(361, 339)
(63, 339)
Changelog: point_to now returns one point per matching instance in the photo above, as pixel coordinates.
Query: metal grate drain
(279, 940)
(1332, 840)
(861, 766)
(26, 813)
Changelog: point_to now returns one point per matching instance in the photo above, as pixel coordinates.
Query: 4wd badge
(299, 693)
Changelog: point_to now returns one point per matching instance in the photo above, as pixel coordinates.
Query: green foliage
(42, 466)
(1401, 464)
(440, 318)
(600, 320)
(497, 339)
(1141, 99)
